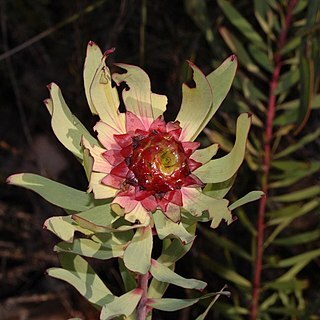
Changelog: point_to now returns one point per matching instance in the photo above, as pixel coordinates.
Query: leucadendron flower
(147, 178)
(146, 164)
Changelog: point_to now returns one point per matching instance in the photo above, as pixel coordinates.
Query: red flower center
(159, 163)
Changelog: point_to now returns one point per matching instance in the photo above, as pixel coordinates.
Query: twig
(47, 32)
(267, 161)
(142, 310)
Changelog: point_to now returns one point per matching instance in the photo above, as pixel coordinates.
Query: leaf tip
(234, 58)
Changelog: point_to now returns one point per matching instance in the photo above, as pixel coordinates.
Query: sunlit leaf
(222, 169)
(91, 249)
(166, 227)
(164, 274)
(64, 227)
(55, 192)
(80, 275)
(249, 197)
(123, 305)
(140, 246)
(68, 129)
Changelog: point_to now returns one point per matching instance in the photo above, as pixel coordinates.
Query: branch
(267, 161)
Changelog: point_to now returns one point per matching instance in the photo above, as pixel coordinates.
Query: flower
(143, 163)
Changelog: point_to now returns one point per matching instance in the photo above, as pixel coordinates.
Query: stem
(142, 309)
(267, 161)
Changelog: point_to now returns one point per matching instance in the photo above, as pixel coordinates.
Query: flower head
(144, 163)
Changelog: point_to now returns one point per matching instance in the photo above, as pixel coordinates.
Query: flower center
(159, 163)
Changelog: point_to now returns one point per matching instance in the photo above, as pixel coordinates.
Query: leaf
(249, 197)
(80, 275)
(220, 82)
(127, 276)
(91, 249)
(237, 47)
(123, 305)
(222, 169)
(64, 227)
(191, 118)
(298, 239)
(55, 192)
(169, 304)
(204, 314)
(219, 190)
(140, 246)
(92, 62)
(307, 256)
(68, 129)
(261, 57)
(164, 274)
(303, 194)
(224, 272)
(241, 24)
(225, 243)
(298, 144)
(166, 227)
(306, 68)
(287, 81)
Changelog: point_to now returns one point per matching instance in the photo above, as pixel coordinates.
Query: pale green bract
(104, 230)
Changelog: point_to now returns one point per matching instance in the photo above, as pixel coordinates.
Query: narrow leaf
(219, 170)
(164, 274)
(123, 305)
(137, 256)
(241, 23)
(91, 249)
(80, 275)
(55, 192)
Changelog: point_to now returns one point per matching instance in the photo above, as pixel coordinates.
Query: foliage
(122, 211)
(278, 83)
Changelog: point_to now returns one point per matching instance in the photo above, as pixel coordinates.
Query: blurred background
(44, 41)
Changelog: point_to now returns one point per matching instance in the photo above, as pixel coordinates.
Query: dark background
(54, 35)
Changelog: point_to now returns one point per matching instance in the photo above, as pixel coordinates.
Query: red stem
(267, 161)
(142, 310)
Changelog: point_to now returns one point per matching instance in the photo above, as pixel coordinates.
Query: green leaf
(68, 129)
(204, 314)
(303, 194)
(225, 243)
(127, 276)
(169, 304)
(241, 24)
(224, 272)
(298, 239)
(92, 62)
(220, 81)
(261, 58)
(64, 227)
(298, 144)
(137, 256)
(222, 169)
(123, 305)
(164, 274)
(306, 68)
(287, 80)
(91, 249)
(166, 227)
(176, 250)
(249, 197)
(80, 275)
(55, 192)
(307, 256)
(293, 172)
(237, 47)
(219, 190)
